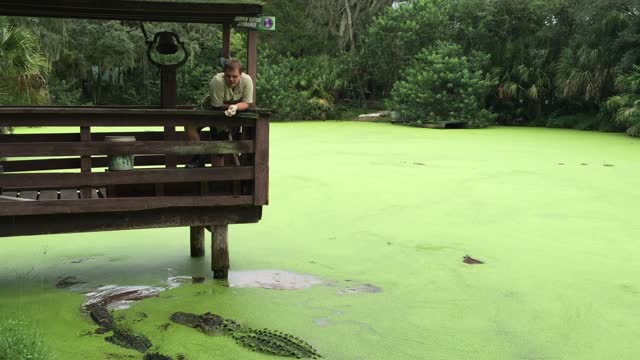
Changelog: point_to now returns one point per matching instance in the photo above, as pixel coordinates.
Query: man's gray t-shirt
(220, 93)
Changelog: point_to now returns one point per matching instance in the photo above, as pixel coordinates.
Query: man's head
(232, 72)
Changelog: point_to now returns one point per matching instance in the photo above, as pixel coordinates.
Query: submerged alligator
(101, 303)
(121, 336)
(264, 341)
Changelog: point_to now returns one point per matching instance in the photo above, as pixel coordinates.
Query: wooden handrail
(54, 116)
(95, 136)
(74, 163)
(119, 204)
(143, 176)
(126, 148)
(89, 149)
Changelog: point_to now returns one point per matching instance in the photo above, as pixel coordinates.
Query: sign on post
(255, 22)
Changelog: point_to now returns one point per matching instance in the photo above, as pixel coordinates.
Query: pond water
(380, 242)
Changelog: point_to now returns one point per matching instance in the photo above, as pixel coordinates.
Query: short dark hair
(233, 64)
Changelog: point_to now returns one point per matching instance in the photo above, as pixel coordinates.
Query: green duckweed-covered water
(552, 213)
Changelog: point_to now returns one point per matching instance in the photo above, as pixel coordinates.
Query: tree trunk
(350, 23)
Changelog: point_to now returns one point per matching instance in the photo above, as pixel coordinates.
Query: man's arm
(241, 106)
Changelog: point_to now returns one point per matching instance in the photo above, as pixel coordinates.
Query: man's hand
(231, 110)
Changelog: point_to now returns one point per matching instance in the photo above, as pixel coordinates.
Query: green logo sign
(256, 22)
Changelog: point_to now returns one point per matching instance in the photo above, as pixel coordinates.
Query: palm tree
(588, 69)
(530, 79)
(22, 67)
(625, 108)
(587, 73)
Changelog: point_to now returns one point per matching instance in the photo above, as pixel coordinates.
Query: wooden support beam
(125, 148)
(85, 162)
(73, 137)
(142, 176)
(126, 220)
(220, 251)
(113, 117)
(226, 41)
(261, 184)
(158, 11)
(252, 60)
(80, 206)
(169, 100)
(216, 160)
(197, 241)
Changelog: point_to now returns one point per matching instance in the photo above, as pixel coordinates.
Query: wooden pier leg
(220, 251)
(197, 241)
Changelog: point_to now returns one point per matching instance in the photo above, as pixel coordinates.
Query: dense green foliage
(22, 68)
(625, 108)
(303, 88)
(442, 86)
(551, 62)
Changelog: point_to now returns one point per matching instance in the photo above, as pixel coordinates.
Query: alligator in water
(265, 341)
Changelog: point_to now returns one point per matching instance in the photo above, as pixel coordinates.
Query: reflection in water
(119, 297)
(359, 288)
(272, 279)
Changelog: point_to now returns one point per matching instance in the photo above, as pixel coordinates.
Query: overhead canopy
(191, 11)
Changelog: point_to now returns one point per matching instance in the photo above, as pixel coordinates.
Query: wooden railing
(77, 173)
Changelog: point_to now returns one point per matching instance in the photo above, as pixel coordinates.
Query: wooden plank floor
(54, 194)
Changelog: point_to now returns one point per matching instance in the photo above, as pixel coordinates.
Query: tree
(344, 19)
(587, 68)
(443, 85)
(296, 35)
(396, 36)
(530, 80)
(22, 67)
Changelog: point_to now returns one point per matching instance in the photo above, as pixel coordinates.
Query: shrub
(443, 85)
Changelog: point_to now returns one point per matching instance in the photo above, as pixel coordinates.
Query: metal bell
(167, 43)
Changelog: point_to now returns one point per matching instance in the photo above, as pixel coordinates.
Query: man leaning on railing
(232, 91)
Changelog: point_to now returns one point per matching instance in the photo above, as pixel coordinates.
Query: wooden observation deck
(57, 182)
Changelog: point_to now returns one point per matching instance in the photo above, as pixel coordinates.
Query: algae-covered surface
(373, 221)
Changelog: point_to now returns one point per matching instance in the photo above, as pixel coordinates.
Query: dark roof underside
(197, 11)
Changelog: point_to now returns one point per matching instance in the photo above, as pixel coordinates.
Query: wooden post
(226, 40)
(169, 100)
(220, 251)
(85, 162)
(197, 241)
(252, 60)
(218, 160)
(261, 156)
